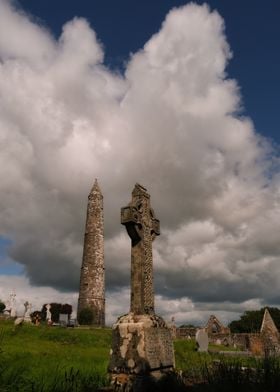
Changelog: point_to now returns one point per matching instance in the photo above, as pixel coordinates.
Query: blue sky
(80, 101)
(7, 265)
(252, 29)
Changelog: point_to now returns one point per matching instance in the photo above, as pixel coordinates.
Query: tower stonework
(141, 340)
(142, 227)
(92, 281)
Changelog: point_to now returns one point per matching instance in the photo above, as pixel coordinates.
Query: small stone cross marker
(142, 227)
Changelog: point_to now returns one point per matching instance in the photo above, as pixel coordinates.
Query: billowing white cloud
(172, 122)
(37, 296)
(181, 310)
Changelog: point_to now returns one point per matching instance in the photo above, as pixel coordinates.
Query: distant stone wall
(185, 333)
(220, 338)
(216, 338)
(244, 341)
(256, 343)
(252, 342)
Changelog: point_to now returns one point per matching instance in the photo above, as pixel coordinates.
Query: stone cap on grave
(268, 325)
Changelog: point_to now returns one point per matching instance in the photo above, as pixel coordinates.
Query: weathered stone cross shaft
(142, 227)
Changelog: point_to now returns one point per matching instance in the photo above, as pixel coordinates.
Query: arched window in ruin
(215, 328)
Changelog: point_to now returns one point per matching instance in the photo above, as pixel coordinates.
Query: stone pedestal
(142, 345)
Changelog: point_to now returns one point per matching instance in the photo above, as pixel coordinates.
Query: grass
(188, 359)
(54, 359)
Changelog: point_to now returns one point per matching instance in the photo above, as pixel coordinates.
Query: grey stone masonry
(142, 227)
(92, 281)
(270, 335)
(141, 340)
(268, 326)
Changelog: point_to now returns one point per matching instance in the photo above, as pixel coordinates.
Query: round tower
(92, 281)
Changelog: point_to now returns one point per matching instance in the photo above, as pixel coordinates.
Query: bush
(251, 320)
(36, 316)
(2, 307)
(85, 317)
(55, 310)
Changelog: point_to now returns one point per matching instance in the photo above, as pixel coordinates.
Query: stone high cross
(142, 227)
(142, 344)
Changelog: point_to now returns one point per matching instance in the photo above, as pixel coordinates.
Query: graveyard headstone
(202, 340)
(49, 315)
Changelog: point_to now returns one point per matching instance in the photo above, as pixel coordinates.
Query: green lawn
(54, 359)
(43, 355)
(44, 347)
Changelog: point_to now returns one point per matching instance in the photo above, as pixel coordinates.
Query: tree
(36, 316)
(2, 307)
(55, 310)
(251, 320)
(66, 309)
(85, 317)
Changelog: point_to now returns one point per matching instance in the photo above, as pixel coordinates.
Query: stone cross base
(141, 345)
